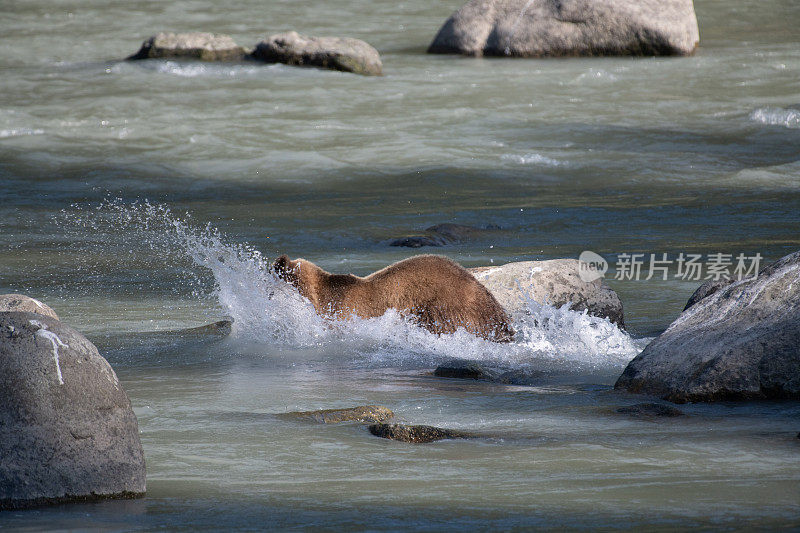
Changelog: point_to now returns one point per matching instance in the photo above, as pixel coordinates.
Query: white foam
(533, 159)
(776, 116)
(19, 132)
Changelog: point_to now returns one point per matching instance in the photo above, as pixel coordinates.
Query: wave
(776, 116)
(267, 311)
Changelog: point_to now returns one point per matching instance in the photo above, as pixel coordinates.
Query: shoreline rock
(67, 429)
(194, 45)
(335, 53)
(741, 342)
(555, 282)
(564, 28)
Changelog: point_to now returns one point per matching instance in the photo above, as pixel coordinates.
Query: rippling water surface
(143, 197)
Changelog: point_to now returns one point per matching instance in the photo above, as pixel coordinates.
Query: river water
(148, 197)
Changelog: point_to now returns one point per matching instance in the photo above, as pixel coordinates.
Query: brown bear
(438, 293)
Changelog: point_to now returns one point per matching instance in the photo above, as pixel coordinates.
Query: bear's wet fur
(438, 293)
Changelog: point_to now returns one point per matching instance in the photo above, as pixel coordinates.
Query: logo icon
(591, 266)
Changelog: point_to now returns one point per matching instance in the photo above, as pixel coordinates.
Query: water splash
(269, 312)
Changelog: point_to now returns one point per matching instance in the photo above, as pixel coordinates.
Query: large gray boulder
(738, 343)
(540, 28)
(335, 53)
(67, 430)
(555, 282)
(195, 45)
(22, 303)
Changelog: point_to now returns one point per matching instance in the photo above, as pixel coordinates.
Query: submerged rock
(415, 434)
(22, 303)
(650, 410)
(555, 282)
(335, 53)
(67, 430)
(541, 28)
(366, 413)
(463, 369)
(741, 342)
(442, 235)
(220, 328)
(196, 45)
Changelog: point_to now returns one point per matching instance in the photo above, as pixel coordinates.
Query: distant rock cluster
(518, 28)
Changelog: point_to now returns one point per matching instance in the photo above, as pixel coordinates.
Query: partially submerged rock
(335, 53)
(542, 28)
(22, 303)
(649, 410)
(195, 45)
(370, 414)
(741, 342)
(555, 282)
(415, 434)
(67, 430)
(442, 235)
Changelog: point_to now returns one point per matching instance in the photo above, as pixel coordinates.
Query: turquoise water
(617, 155)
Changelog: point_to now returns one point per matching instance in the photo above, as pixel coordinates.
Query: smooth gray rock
(22, 303)
(335, 53)
(67, 430)
(416, 434)
(195, 45)
(555, 282)
(365, 413)
(442, 235)
(542, 28)
(741, 342)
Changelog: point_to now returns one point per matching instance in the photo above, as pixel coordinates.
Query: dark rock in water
(335, 53)
(650, 410)
(555, 282)
(442, 235)
(67, 430)
(415, 434)
(367, 414)
(199, 46)
(707, 289)
(463, 369)
(542, 28)
(740, 343)
(25, 304)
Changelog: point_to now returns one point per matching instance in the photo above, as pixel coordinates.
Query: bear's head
(301, 274)
(287, 270)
